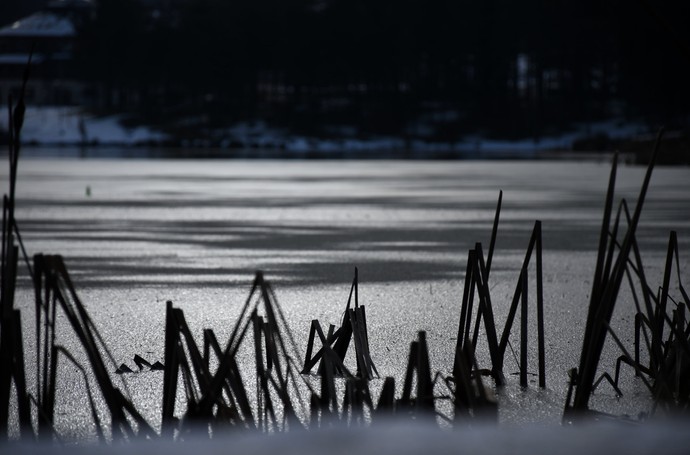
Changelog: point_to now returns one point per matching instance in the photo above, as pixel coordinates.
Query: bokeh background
(421, 76)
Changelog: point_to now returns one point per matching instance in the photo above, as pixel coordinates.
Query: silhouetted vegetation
(217, 397)
(217, 384)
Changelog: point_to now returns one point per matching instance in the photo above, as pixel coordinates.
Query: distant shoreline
(63, 131)
(164, 152)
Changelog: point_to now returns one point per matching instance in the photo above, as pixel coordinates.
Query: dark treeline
(439, 67)
(11, 10)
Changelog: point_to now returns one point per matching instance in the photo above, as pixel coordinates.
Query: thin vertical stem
(540, 308)
(523, 328)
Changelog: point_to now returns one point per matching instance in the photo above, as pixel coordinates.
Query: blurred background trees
(440, 68)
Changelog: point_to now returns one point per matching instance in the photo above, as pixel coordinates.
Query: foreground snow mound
(416, 438)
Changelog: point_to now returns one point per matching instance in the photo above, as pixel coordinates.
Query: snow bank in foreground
(401, 439)
(70, 125)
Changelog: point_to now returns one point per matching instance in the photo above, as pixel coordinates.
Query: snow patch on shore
(71, 126)
(60, 125)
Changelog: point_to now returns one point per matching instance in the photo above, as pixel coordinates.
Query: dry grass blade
(486, 311)
(92, 406)
(12, 360)
(471, 399)
(356, 397)
(534, 248)
(476, 279)
(465, 309)
(605, 293)
(170, 373)
(667, 359)
(11, 342)
(353, 328)
(59, 287)
(419, 371)
(274, 364)
(386, 403)
(234, 384)
(494, 232)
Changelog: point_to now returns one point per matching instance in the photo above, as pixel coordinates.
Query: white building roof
(41, 24)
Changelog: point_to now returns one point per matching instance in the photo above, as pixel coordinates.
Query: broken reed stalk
(222, 396)
(54, 284)
(234, 384)
(92, 406)
(643, 321)
(356, 397)
(476, 279)
(485, 311)
(268, 340)
(418, 367)
(274, 369)
(667, 359)
(494, 233)
(356, 394)
(534, 248)
(523, 329)
(177, 336)
(197, 377)
(11, 339)
(353, 328)
(470, 397)
(605, 289)
(324, 405)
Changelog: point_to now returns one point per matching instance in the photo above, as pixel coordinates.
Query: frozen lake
(135, 233)
(211, 223)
